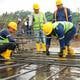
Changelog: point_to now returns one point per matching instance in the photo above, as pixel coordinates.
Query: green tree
(75, 18)
(49, 16)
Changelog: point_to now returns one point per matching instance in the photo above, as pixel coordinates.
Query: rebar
(17, 75)
(55, 73)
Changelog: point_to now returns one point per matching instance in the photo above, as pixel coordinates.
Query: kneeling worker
(64, 31)
(7, 42)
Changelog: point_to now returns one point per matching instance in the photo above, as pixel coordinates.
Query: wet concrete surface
(48, 70)
(6, 71)
(40, 72)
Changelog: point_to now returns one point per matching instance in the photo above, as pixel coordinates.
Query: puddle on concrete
(6, 72)
(41, 72)
(49, 70)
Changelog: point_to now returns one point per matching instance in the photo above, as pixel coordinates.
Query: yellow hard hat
(35, 6)
(47, 28)
(13, 25)
(59, 2)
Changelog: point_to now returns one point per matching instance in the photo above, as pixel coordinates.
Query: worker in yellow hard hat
(64, 31)
(36, 6)
(7, 42)
(59, 2)
(38, 19)
(62, 13)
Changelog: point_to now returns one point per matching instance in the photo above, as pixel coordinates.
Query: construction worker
(7, 42)
(20, 27)
(28, 26)
(64, 31)
(38, 19)
(62, 13)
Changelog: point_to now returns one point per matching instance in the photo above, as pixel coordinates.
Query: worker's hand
(17, 45)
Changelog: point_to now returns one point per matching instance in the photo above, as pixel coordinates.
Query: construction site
(26, 64)
(40, 46)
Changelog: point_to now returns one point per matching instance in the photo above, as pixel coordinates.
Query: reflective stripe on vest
(38, 21)
(3, 40)
(67, 25)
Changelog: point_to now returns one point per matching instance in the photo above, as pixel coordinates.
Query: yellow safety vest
(67, 25)
(38, 21)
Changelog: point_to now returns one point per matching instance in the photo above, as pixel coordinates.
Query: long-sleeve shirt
(5, 34)
(63, 36)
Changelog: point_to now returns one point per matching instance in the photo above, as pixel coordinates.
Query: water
(57, 49)
(41, 72)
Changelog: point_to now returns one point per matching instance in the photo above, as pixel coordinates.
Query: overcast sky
(45, 5)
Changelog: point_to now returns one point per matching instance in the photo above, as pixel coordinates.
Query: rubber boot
(71, 51)
(44, 47)
(38, 48)
(7, 54)
(64, 52)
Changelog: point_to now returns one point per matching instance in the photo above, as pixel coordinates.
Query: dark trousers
(69, 35)
(66, 41)
(4, 47)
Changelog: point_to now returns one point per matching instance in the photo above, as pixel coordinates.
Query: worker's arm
(69, 15)
(44, 17)
(60, 32)
(32, 20)
(6, 34)
(54, 17)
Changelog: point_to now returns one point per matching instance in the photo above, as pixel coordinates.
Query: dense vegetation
(6, 17)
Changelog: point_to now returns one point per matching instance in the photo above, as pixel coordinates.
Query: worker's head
(47, 28)
(12, 27)
(59, 3)
(36, 7)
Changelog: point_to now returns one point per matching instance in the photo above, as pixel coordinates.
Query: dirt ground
(73, 43)
(30, 44)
